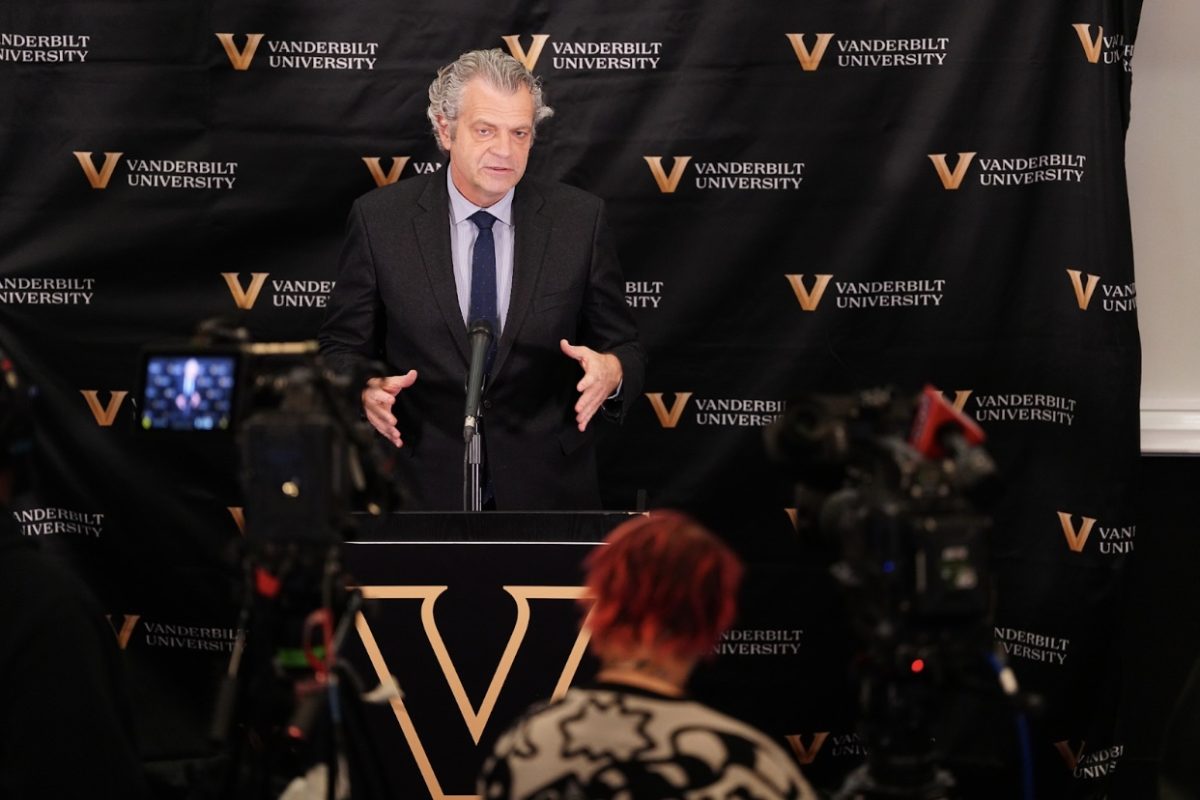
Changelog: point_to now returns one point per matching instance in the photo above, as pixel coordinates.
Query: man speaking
(429, 256)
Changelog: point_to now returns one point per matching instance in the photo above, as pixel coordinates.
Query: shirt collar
(461, 207)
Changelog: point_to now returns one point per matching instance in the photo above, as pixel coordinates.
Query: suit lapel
(433, 237)
(532, 232)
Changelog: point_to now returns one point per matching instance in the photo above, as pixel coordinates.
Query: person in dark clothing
(65, 726)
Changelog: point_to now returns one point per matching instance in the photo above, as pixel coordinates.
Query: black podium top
(487, 526)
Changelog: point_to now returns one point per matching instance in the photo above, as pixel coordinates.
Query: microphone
(480, 335)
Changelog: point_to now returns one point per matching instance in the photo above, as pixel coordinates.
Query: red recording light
(918, 665)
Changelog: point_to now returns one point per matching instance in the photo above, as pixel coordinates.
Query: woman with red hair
(663, 591)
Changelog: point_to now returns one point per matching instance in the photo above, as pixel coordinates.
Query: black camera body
(893, 485)
(307, 458)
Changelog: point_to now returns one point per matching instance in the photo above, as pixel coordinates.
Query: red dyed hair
(663, 581)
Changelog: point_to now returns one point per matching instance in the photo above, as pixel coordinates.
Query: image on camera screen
(188, 392)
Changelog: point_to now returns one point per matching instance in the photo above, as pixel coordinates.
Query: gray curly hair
(497, 68)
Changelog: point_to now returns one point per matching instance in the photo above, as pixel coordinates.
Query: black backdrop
(806, 196)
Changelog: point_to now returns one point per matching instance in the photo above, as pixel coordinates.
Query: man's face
(490, 143)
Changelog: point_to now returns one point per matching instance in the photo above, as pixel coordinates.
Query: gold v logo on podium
(528, 58)
(667, 184)
(1076, 538)
(806, 755)
(1092, 48)
(125, 632)
(384, 178)
(810, 59)
(105, 414)
(668, 417)
(809, 300)
(98, 178)
(245, 298)
(475, 718)
(240, 58)
(951, 179)
(1083, 294)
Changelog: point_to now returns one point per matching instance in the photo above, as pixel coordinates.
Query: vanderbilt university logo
(1076, 537)
(960, 399)
(1070, 755)
(528, 58)
(476, 719)
(240, 58)
(384, 178)
(104, 414)
(951, 178)
(125, 632)
(810, 59)
(667, 184)
(1092, 48)
(245, 298)
(668, 417)
(809, 300)
(98, 178)
(1083, 293)
(806, 755)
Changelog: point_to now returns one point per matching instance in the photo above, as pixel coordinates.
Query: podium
(477, 616)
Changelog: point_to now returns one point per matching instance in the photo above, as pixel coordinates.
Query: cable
(1008, 683)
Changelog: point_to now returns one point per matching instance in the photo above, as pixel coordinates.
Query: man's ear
(443, 128)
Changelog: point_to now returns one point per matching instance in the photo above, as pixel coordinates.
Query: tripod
(288, 704)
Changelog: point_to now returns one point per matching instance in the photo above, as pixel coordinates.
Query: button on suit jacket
(395, 300)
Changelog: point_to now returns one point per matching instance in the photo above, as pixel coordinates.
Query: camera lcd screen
(189, 392)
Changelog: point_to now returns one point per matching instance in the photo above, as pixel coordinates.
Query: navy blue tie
(483, 280)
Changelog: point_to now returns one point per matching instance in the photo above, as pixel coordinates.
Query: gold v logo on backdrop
(1083, 295)
(668, 418)
(392, 175)
(961, 396)
(128, 623)
(104, 414)
(239, 518)
(475, 719)
(98, 180)
(529, 59)
(1091, 47)
(810, 59)
(951, 180)
(1076, 539)
(806, 755)
(245, 298)
(793, 514)
(809, 300)
(1070, 755)
(240, 58)
(667, 184)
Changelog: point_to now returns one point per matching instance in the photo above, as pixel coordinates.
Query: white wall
(1163, 156)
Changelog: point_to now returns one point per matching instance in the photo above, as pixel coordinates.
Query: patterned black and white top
(616, 741)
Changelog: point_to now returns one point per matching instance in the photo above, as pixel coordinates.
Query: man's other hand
(601, 377)
(377, 400)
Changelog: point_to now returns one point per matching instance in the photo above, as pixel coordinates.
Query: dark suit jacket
(395, 300)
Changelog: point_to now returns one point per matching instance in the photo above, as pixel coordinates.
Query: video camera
(894, 484)
(288, 703)
(307, 459)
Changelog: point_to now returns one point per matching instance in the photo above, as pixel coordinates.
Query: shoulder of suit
(561, 198)
(400, 194)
